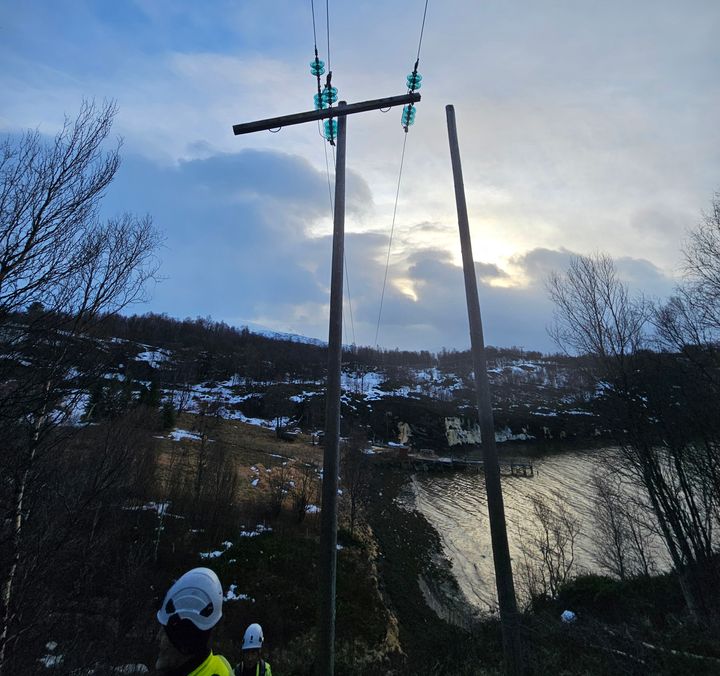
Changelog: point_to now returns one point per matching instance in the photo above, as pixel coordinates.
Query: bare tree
(220, 490)
(643, 538)
(55, 251)
(304, 491)
(610, 528)
(596, 315)
(208, 422)
(355, 474)
(277, 404)
(626, 549)
(69, 517)
(548, 546)
(59, 258)
(702, 267)
(279, 482)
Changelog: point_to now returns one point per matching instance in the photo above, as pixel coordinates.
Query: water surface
(455, 504)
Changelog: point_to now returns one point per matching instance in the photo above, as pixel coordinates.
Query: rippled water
(455, 504)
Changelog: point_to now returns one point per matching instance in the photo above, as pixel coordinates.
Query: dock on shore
(422, 462)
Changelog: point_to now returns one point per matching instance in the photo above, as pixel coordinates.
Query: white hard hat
(253, 638)
(197, 596)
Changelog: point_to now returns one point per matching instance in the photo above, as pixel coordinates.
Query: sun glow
(406, 287)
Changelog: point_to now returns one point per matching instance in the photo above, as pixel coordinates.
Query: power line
(312, 6)
(422, 30)
(407, 119)
(327, 22)
(327, 170)
(347, 286)
(392, 230)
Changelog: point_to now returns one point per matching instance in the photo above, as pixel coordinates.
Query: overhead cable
(392, 230)
(407, 119)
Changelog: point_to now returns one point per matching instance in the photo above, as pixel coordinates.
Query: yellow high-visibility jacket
(214, 665)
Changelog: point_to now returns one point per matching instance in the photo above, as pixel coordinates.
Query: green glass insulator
(330, 95)
(331, 127)
(319, 103)
(317, 67)
(414, 80)
(408, 116)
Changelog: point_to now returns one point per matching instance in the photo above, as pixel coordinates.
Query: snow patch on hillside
(232, 595)
(178, 435)
(154, 356)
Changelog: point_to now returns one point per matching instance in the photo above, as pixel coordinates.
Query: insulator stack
(326, 98)
(408, 116)
(317, 67)
(414, 81)
(329, 95)
(331, 129)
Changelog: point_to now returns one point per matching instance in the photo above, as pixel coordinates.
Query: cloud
(643, 276)
(243, 246)
(438, 318)
(580, 130)
(537, 264)
(240, 248)
(662, 224)
(234, 226)
(640, 274)
(489, 272)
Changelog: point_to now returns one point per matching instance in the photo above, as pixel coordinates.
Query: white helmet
(253, 638)
(197, 596)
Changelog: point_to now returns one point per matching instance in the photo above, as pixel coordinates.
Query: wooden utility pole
(509, 619)
(325, 664)
(331, 457)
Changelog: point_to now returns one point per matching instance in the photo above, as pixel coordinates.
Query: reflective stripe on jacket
(214, 665)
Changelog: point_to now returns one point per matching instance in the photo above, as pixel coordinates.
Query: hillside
(158, 450)
(259, 379)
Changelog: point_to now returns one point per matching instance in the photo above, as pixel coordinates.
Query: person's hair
(186, 637)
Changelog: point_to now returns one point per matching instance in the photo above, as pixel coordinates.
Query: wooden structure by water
(420, 462)
(522, 469)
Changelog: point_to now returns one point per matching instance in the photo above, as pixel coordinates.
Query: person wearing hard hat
(191, 610)
(252, 663)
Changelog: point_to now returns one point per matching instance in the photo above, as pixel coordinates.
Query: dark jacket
(262, 669)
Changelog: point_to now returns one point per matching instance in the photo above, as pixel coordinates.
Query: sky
(584, 127)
